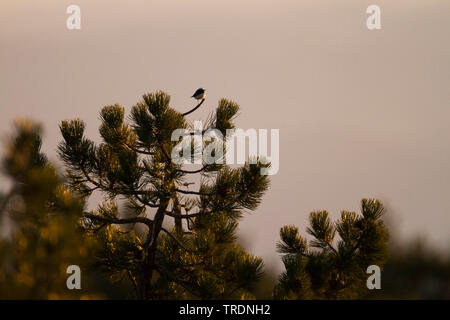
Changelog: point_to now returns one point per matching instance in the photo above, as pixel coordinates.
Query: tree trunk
(149, 268)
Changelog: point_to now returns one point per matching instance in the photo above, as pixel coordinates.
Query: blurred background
(361, 113)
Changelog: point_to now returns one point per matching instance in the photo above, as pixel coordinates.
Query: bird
(200, 94)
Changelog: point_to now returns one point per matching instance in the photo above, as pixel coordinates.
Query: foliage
(321, 270)
(42, 217)
(153, 229)
(196, 256)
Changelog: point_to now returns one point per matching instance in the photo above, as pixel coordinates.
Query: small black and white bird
(200, 94)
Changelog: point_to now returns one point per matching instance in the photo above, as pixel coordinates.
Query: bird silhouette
(200, 94)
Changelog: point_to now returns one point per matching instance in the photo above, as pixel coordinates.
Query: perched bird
(200, 94)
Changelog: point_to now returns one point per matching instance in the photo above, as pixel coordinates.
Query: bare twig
(192, 110)
(193, 192)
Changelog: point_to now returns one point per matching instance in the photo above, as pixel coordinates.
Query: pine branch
(192, 110)
(133, 281)
(172, 277)
(150, 153)
(192, 192)
(176, 240)
(109, 220)
(190, 215)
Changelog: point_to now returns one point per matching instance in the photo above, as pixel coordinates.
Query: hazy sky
(361, 113)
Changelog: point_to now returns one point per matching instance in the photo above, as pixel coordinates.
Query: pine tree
(40, 219)
(197, 256)
(321, 270)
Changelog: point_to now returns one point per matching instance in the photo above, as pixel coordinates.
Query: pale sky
(361, 113)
